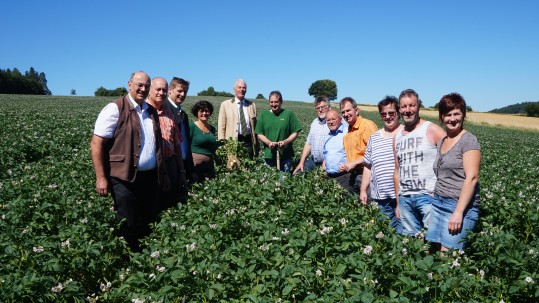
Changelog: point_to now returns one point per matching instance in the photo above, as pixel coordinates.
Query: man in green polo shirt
(277, 129)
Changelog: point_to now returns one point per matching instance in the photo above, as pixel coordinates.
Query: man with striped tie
(237, 119)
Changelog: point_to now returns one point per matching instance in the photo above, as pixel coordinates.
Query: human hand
(298, 168)
(102, 186)
(281, 144)
(455, 223)
(363, 197)
(345, 167)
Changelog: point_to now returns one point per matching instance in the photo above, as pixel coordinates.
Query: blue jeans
(387, 207)
(442, 209)
(286, 164)
(414, 212)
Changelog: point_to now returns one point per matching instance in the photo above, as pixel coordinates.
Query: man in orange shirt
(355, 142)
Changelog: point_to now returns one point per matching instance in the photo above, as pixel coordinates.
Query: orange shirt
(355, 141)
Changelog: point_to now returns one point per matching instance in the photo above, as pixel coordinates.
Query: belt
(335, 175)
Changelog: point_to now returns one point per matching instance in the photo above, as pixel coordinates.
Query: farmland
(248, 236)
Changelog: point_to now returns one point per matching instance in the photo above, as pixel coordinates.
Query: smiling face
(333, 120)
(158, 92)
(178, 93)
(275, 103)
(240, 89)
(321, 109)
(139, 86)
(349, 113)
(409, 110)
(390, 117)
(203, 114)
(453, 121)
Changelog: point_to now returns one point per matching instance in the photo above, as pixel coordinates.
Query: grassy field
(252, 235)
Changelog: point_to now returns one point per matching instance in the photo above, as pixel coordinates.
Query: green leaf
(287, 290)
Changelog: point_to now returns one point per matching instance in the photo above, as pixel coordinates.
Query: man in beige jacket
(237, 119)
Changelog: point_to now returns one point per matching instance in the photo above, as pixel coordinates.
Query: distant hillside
(519, 108)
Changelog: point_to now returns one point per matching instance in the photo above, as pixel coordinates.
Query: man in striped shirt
(380, 163)
(171, 138)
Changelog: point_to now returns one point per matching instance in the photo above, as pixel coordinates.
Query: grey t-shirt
(449, 168)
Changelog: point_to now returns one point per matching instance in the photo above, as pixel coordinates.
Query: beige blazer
(228, 122)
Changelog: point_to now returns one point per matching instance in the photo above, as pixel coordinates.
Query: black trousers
(351, 181)
(138, 203)
(247, 143)
(175, 194)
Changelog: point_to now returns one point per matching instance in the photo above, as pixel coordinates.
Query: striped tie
(243, 123)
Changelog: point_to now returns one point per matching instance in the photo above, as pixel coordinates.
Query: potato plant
(250, 235)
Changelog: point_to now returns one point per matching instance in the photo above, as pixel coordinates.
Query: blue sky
(485, 50)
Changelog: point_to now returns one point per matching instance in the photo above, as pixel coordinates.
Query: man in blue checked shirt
(333, 151)
(315, 140)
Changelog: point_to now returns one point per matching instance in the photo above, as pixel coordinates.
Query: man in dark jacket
(177, 93)
(127, 158)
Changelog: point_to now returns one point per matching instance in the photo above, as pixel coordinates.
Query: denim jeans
(414, 212)
(442, 209)
(387, 207)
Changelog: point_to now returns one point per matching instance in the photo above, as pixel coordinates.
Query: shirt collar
(143, 104)
(358, 122)
(339, 130)
(178, 107)
(236, 100)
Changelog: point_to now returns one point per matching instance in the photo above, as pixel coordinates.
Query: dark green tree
(260, 96)
(103, 92)
(43, 81)
(73, 92)
(14, 82)
(532, 109)
(325, 87)
(211, 92)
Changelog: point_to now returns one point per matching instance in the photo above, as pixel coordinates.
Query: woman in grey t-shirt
(455, 206)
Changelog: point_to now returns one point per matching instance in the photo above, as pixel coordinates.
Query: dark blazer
(182, 116)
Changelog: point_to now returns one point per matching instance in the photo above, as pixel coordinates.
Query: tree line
(528, 108)
(29, 83)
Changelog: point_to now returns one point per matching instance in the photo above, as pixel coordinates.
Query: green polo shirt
(277, 128)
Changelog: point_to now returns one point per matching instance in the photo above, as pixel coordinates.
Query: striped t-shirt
(379, 155)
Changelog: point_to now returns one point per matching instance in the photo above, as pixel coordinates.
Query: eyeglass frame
(389, 114)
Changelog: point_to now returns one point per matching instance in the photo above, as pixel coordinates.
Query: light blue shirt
(334, 154)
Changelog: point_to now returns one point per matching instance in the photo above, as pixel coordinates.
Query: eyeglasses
(141, 85)
(389, 114)
(321, 107)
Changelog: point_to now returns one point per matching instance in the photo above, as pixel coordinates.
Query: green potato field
(252, 235)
